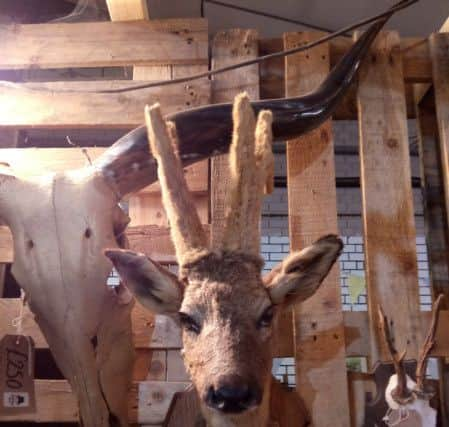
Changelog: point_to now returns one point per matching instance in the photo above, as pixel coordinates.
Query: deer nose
(233, 395)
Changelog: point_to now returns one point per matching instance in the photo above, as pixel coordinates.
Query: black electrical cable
(399, 6)
(267, 15)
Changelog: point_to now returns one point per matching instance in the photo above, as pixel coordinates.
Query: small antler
(185, 226)
(251, 166)
(401, 394)
(428, 345)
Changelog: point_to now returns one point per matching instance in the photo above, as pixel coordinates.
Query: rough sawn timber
(312, 210)
(388, 216)
(41, 105)
(104, 44)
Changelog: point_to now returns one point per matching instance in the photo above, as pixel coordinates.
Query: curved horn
(206, 131)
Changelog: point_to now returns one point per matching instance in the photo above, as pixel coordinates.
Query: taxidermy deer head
(225, 306)
(403, 394)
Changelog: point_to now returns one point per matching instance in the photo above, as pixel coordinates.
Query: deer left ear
(301, 273)
(155, 287)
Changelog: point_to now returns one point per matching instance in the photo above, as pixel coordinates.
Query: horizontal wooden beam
(103, 44)
(153, 241)
(147, 333)
(357, 333)
(41, 105)
(149, 402)
(38, 161)
(416, 67)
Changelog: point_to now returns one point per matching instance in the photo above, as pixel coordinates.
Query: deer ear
(301, 273)
(154, 286)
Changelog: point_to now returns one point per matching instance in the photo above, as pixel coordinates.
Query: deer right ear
(154, 286)
(301, 273)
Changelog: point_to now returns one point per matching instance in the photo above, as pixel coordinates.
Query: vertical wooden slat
(435, 218)
(312, 207)
(388, 217)
(438, 240)
(9, 138)
(439, 46)
(229, 47)
(127, 10)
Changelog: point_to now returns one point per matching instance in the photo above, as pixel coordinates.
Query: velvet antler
(185, 226)
(251, 162)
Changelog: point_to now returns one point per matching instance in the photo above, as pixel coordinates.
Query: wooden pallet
(324, 335)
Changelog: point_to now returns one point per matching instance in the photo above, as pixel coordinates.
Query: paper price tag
(17, 394)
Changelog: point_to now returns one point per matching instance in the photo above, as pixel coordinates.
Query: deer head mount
(403, 394)
(225, 306)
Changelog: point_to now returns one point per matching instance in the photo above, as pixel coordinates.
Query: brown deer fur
(226, 308)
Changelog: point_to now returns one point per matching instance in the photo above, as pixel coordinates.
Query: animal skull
(225, 306)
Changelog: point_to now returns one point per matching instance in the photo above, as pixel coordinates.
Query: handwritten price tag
(17, 394)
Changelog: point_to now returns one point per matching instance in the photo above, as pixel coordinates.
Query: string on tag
(404, 414)
(18, 324)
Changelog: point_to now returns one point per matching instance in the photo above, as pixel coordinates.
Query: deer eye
(267, 318)
(189, 323)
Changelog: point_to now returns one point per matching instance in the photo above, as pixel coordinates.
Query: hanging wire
(266, 15)
(399, 6)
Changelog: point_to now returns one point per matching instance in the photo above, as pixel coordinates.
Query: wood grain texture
(39, 161)
(149, 402)
(99, 44)
(319, 330)
(176, 370)
(439, 44)
(432, 119)
(185, 410)
(229, 47)
(143, 324)
(357, 333)
(153, 241)
(41, 105)
(388, 216)
(432, 187)
(127, 10)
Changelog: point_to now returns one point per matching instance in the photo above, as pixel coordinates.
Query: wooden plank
(272, 82)
(143, 325)
(167, 334)
(153, 241)
(435, 219)
(176, 370)
(388, 216)
(433, 196)
(434, 126)
(149, 402)
(185, 410)
(357, 333)
(41, 105)
(158, 366)
(415, 58)
(147, 209)
(439, 44)
(127, 10)
(229, 47)
(319, 330)
(39, 161)
(99, 44)
(421, 89)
